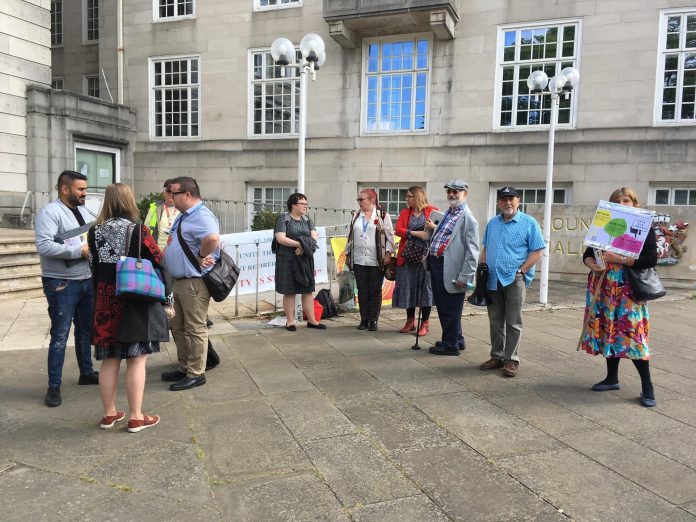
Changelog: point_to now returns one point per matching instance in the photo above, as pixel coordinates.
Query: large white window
(56, 23)
(165, 10)
(523, 49)
(90, 85)
(175, 97)
(392, 198)
(264, 5)
(274, 109)
(396, 84)
(90, 21)
(676, 78)
(273, 197)
(666, 195)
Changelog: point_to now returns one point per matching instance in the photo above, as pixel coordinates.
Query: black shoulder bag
(645, 284)
(221, 279)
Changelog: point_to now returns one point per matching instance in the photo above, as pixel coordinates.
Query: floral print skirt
(617, 325)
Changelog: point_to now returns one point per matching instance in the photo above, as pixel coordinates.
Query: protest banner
(249, 279)
(619, 228)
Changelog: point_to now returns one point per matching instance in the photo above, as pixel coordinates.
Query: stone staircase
(20, 272)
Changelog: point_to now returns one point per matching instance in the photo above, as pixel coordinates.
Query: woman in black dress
(294, 272)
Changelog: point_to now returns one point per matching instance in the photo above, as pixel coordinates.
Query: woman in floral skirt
(617, 324)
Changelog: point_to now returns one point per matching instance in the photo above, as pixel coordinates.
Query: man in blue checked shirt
(512, 245)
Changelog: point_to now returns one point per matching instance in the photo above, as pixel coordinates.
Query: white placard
(264, 279)
(619, 228)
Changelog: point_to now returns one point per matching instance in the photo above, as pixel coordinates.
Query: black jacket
(303, 266)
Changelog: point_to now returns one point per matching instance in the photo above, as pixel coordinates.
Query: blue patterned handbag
(136, 278)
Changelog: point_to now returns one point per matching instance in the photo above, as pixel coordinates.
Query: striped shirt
(508, 244)
(443, 232)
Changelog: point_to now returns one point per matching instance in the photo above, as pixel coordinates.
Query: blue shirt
(198, 223)
(508, 244)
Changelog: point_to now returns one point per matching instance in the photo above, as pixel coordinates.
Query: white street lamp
(313, 57)
(560, 85)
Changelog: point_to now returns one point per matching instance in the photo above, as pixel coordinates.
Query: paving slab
(419, 508)
(678, 444)
(357, 472)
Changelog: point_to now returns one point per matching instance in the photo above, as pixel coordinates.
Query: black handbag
(390, 270)
(221, 279)
(415, 250)
(645, 284)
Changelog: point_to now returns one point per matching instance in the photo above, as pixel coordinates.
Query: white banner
(249, 278)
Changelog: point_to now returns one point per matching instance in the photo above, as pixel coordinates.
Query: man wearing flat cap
(452, 261)
(512, 245)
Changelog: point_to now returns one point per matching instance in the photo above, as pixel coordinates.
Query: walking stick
(586, 322)
(419, 297)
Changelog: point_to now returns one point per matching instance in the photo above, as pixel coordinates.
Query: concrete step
(19, 271)
(26, 259)
(24, 293)
(21, 284)
(10, 249)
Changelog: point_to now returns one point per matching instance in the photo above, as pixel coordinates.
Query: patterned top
(443, 232)
(508, 244)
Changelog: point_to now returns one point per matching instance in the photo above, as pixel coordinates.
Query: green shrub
(264, 220)
(144, 204)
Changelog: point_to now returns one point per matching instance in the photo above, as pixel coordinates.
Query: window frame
(85, 23)
(364, 80)
(156, 18)
(251, 187)
(493, 194)
(151, 97)
(499, 64)
(250, 98)
(57, 23)
(652, 194)
(390, 186)
(659, 76)
(60, 79)
(292, 5)
(85, 84)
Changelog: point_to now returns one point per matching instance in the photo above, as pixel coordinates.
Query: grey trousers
(505, 319)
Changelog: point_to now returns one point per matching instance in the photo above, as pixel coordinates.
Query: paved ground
(348, 425)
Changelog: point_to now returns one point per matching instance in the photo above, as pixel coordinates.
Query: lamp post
(560, 85)
(313, 53)
(313, 57)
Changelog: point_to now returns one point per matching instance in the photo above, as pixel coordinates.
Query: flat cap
(457, 184)
(507, 192)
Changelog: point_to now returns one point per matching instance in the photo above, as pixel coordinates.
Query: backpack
(326, 300)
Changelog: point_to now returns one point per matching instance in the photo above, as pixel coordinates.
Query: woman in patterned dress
(293, 230)
(617, 324)
(121, 328)
(412, 286)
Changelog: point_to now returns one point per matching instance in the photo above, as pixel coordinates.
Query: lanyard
(365, 224)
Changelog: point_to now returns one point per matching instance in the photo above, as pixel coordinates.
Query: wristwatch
(520, 271)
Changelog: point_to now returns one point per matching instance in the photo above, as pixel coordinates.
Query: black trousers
(449, 306)
(369, 280)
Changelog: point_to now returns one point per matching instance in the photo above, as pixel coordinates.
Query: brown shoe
(491, 364)
(511, 368)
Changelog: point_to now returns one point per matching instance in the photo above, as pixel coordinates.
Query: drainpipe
(119, 48)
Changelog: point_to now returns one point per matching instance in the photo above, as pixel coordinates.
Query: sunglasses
(452, 191)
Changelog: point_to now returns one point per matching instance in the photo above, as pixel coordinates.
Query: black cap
(507, 192)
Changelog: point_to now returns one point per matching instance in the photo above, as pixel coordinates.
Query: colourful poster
(338, 245)
(619, 229)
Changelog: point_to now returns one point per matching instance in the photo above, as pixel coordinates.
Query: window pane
(662, 197)
(681, 197)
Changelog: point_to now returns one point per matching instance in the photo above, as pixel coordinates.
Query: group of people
(79, 282)
(439, 267)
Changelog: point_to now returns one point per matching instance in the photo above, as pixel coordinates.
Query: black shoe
(318, 326)
(440, 344)
(173, 376)
(187, 383)
(92, 378)
(362, 325)
(209, 323)
(291, 328)
(444, 350)
(372, 326)
(53, 397)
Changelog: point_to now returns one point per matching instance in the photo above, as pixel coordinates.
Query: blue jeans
(449, 306)
(69, 301)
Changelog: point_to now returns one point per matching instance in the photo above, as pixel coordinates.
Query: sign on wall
(257, 264)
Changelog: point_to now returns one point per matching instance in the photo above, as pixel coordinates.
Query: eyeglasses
(410, 196)
(175, 193)
(361, 199)
(452, 191)
(305, 204)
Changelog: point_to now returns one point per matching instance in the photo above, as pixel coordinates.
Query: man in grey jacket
(67, 280)
(454, 251)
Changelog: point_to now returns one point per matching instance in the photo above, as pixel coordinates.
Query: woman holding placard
(616, 324)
